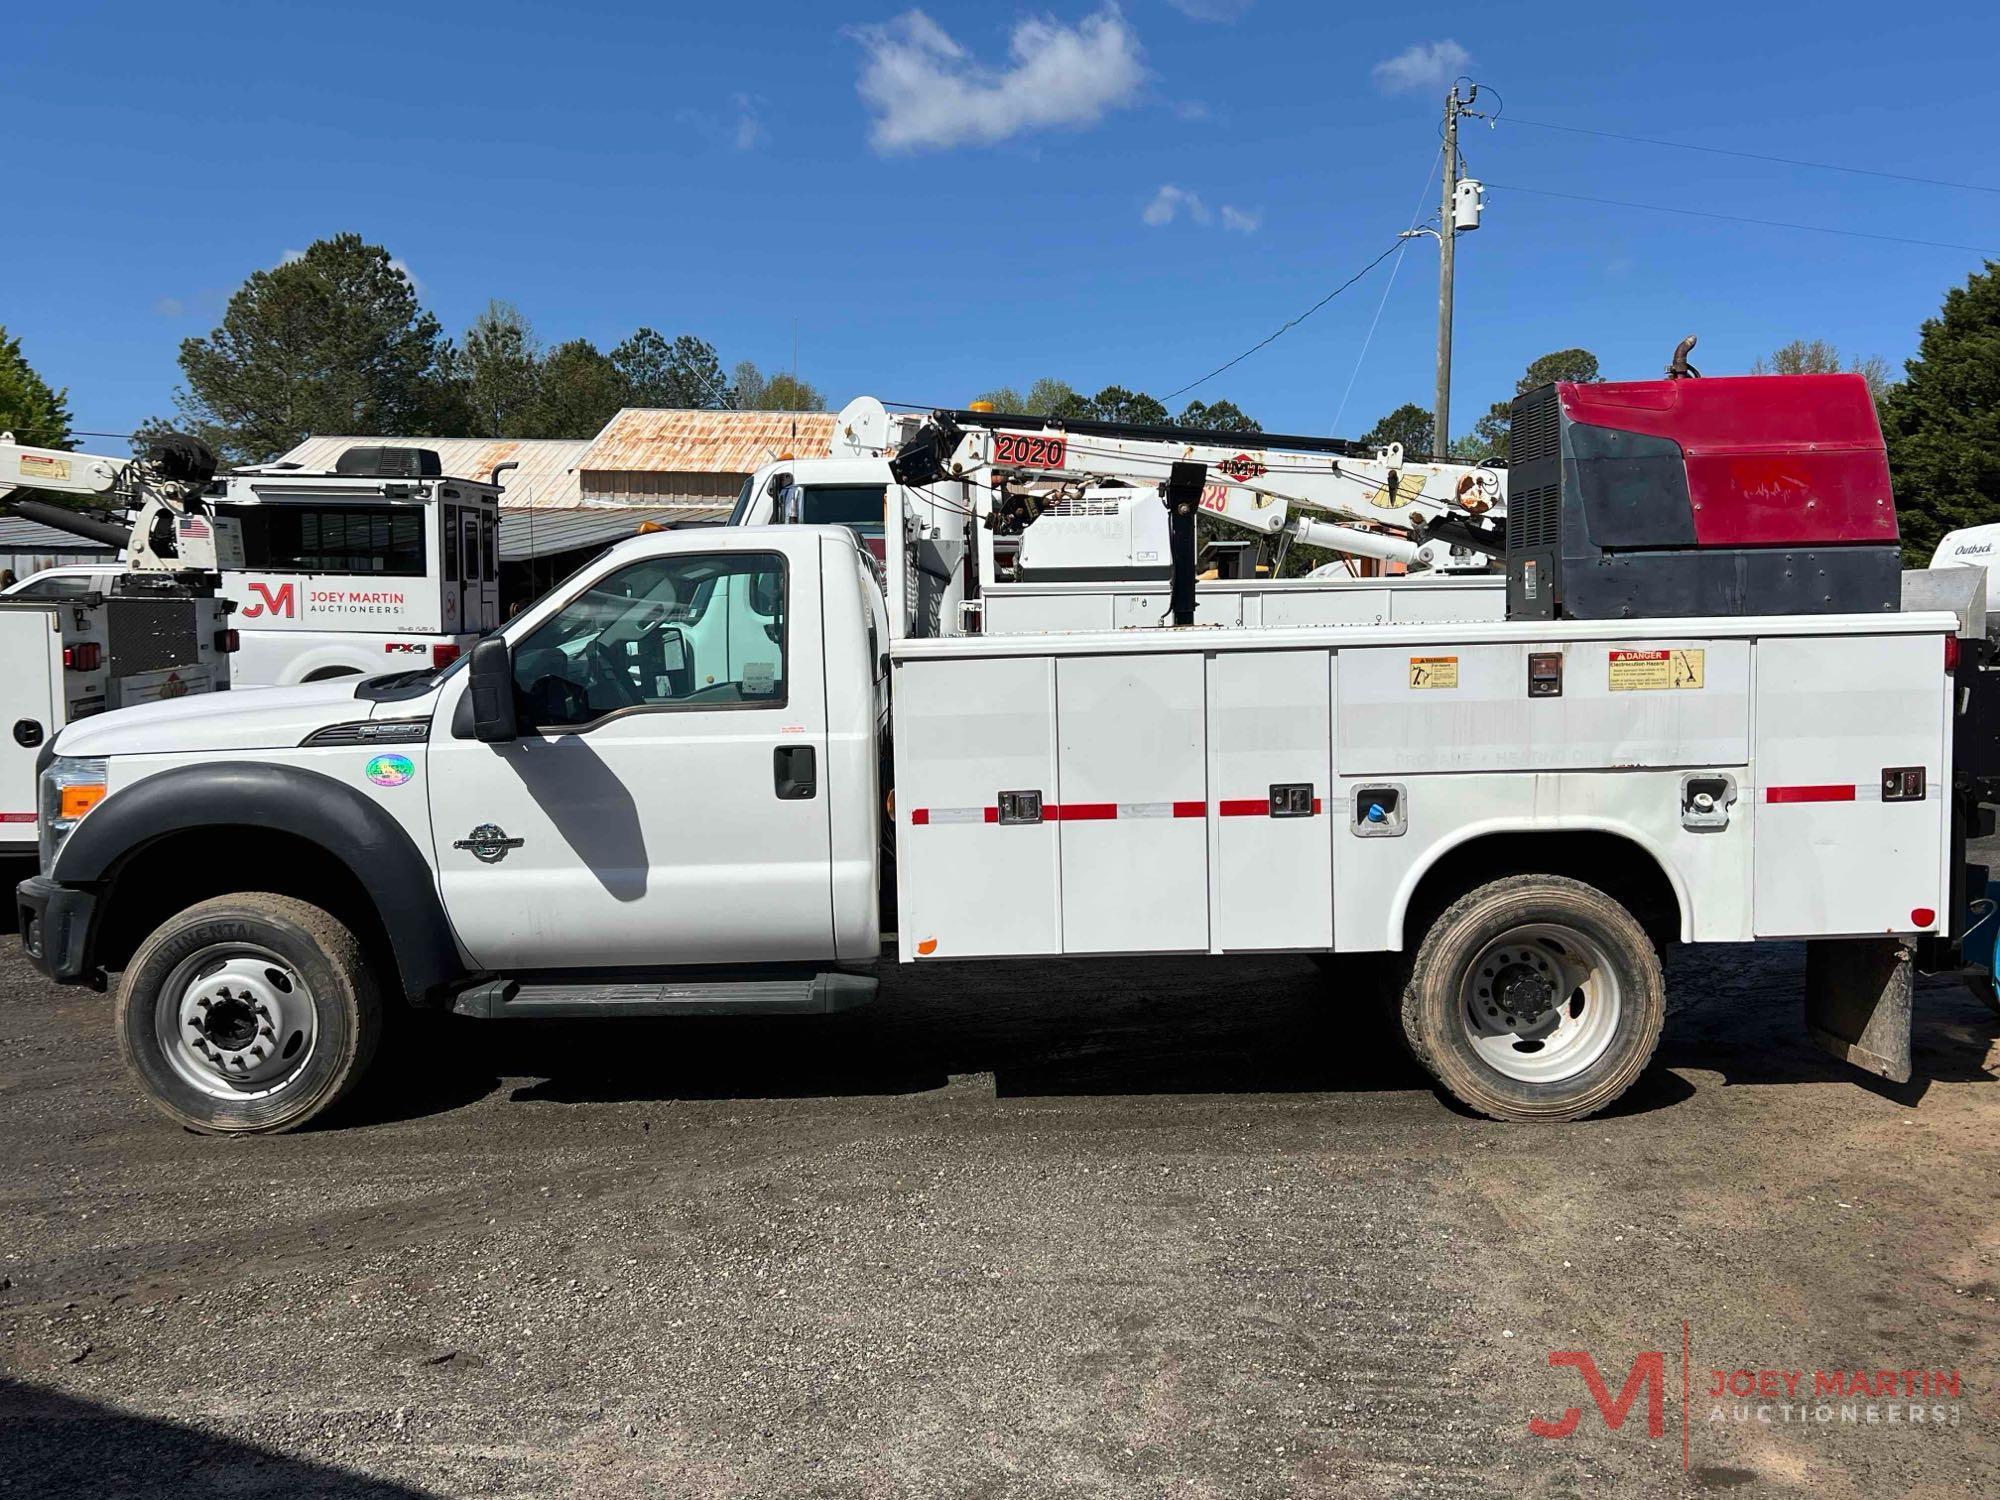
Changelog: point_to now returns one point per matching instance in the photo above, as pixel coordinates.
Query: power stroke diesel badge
(488, 842)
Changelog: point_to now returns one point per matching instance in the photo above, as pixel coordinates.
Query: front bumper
(55, 929)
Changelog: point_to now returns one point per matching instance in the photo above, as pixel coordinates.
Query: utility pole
(1464, 200)
(1447, 239)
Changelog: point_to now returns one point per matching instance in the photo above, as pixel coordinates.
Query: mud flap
(1858, 993)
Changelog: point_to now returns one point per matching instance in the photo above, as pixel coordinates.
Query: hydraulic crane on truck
(1056, 483)
(171, 534)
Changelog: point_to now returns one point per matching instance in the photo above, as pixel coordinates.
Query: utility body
(698, 776)
(152, 630)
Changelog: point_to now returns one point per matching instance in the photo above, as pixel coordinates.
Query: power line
(1702, 213)
(1287, 327)
(1783, 161)
(1415, 215)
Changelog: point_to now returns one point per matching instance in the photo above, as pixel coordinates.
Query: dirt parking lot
(1120, 1229)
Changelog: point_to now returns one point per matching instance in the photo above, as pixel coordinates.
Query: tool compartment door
(967, 884)
(1269, 727)
(1133, 783)
(1832, 856)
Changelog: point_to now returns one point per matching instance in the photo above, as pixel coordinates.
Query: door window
(704, 631)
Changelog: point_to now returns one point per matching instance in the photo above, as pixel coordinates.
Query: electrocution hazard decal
(1655, 671)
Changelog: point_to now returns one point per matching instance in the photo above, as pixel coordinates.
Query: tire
(248, 1014)
(1535, 997)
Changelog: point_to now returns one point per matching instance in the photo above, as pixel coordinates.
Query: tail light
(444, 653)
(87, 657)
(1951, 653)
(228, 640)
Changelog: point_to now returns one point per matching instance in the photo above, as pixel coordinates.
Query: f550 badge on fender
(488, 843)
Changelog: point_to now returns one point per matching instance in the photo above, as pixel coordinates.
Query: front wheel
(1535, 997)
(248, 1014)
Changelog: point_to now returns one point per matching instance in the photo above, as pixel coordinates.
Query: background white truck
(665, 789)
(383, 564)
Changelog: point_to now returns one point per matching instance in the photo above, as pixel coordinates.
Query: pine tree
(1943, 422)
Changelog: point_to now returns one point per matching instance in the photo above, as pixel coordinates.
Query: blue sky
(962, 196)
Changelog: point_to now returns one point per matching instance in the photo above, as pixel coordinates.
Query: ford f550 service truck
(682, 781)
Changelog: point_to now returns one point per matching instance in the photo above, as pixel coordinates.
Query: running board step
(799, 995)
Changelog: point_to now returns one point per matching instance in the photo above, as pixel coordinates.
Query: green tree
(499, 372)
(579, 390)
(1488, 438)
(333, 341)
(756, 391)
(1046, 397)
(1409, 424)
(1942, 422)
(30, 408)
(684, 372)
(1116, 404)
(1222, 416)
(1003, 398)
(1818, 357)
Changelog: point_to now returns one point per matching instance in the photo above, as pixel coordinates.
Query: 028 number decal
(1030, 450)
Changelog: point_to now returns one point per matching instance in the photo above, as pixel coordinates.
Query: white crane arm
(25, 467)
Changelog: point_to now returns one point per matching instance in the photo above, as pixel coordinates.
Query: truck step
(803, 994)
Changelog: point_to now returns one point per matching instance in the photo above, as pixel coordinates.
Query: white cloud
(1170, 202)
(1212, 10)
(170, 307)
(1173, 201)
(928, 93)
(740, 127)
(749, 121)
(1421, 65)
(396, 263)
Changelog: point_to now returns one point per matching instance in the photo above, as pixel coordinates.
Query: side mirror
(492, 691)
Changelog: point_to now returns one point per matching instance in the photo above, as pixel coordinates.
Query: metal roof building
(542, 533)
(28, 547)
(670, 456)
(547, 478)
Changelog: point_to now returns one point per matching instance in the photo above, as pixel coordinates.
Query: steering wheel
(614, 674)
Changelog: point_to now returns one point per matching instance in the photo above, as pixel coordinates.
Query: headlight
(71, 787)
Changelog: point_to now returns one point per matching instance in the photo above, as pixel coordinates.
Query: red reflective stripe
(1317, 808)
(1809, 793)
(1244, 807)
(1080, 812)
(17, 817)
(1190, 809)
(919, 816)
(992, 814)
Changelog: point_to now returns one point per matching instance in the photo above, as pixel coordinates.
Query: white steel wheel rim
(1584, 1003)
(236, 1022)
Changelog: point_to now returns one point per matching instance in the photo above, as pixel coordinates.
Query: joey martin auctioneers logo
(1918, 1400)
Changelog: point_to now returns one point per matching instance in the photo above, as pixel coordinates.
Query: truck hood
(243, 719)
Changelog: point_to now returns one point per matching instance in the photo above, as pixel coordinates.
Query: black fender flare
(373, 846)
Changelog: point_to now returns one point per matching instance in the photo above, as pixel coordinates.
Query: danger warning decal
(1655, 671)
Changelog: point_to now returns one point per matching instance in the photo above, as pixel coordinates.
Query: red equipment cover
(1772, 460)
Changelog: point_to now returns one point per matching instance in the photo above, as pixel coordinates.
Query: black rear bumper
(55, 929)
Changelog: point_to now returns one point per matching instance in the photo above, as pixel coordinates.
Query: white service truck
(680, 783)
(138, 634)
(383, 563)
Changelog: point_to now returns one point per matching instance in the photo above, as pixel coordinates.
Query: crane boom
(1370, 502)
(171, 529)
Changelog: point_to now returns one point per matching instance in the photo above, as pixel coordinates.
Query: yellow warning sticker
(1657, 671)
(1433, 671)
(41, 466)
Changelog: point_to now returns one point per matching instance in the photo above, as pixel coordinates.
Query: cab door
(665, 802)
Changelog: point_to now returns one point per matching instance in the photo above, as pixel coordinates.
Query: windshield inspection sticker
(1654, 671)
(391, 770)
(1433, 671)
(759, 677)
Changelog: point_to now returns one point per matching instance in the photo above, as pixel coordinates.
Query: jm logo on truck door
(281, 601)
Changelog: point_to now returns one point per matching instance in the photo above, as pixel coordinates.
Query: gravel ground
(1022, 1229)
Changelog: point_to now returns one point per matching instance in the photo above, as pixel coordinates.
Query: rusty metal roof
(674, 441)
(547, 478)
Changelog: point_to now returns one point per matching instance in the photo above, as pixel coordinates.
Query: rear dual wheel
(1534, 997)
